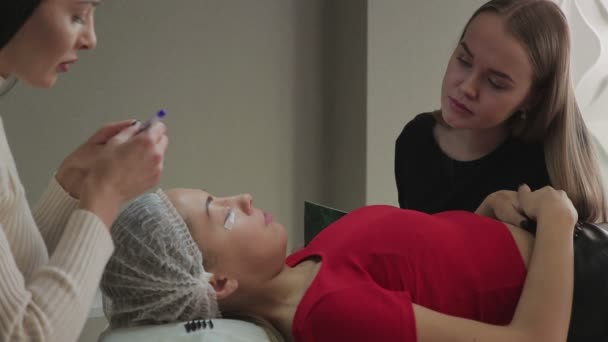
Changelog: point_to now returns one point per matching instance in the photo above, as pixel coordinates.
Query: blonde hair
(273, 333)
(553, 115)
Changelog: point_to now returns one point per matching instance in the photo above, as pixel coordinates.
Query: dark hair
(13, 14)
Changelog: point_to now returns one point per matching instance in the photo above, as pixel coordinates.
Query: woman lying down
(379, 273)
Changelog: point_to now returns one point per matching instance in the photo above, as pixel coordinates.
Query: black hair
(13, 14)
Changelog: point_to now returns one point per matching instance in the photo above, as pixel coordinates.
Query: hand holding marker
(161, 114)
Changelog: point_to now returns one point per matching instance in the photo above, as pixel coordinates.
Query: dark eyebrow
(466, 48)
(208, 203)
(494, 71)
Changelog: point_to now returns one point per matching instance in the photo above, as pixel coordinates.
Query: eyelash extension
(230, 219)
(198, 324)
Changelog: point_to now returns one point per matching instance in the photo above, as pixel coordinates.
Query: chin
(47, 83)
(41, 82)
(452, 122)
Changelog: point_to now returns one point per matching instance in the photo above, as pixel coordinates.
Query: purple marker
(161, 114)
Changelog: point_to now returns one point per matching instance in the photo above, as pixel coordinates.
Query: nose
(246, 203)
(469, 86)
(87, 39)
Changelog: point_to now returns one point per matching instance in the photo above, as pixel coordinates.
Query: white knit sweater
(50, 262)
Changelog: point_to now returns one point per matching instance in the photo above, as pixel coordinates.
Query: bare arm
(543, 311)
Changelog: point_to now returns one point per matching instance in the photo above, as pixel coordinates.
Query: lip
(268, 218)
(458, 106)
(65, 66)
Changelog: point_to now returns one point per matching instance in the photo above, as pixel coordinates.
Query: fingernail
(134, 122)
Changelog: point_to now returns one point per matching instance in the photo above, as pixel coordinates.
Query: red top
(378, 260)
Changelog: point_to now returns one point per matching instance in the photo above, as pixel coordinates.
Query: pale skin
(118, 162)
(249, 274)
(489, 78)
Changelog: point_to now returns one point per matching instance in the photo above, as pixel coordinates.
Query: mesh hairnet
(156, 273)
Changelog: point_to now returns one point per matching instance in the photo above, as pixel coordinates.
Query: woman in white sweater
(51, 260)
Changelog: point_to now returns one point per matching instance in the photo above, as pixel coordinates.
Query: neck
(277, 299)
(469, 144)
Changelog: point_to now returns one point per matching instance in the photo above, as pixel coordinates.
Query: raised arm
(62, 195)
(52, 213)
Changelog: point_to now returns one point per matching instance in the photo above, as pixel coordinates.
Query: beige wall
(344, 79)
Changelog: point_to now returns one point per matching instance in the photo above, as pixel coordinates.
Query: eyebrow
(207, 204)
(95, 3)
(494, 71)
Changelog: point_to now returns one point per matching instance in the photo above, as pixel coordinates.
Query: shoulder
(420, 126)
(421, 120)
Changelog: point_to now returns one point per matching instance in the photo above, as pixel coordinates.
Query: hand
(547, 204)
(129, 164)
(503, 205)
(75, 167)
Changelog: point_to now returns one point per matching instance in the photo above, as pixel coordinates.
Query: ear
(533, 99)
(224, 286)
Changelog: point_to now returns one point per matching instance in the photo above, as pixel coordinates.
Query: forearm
(52, 304)
(545, 304)
(52, 212)
(101, 200)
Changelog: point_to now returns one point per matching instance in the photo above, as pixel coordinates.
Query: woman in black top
(508, 116)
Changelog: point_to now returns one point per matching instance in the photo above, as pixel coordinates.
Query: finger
(510, 212)
(516, 217)
(523, 191)
(164, 143)
(126, 133)
(156, 130)
(512, 198)
(517, 205)
(110, 130)
(524, 197)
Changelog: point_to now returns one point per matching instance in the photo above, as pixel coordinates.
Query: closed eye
(464, 62)
(496, 84)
